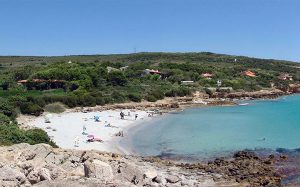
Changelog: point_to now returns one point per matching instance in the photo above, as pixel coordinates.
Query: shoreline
(113, 143)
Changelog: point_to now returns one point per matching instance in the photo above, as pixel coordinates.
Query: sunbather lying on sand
(91, 138)
(112, 126)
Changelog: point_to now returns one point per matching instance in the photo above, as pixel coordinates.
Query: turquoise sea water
(218, 131)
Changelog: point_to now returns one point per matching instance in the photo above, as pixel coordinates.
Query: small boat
(243, 104)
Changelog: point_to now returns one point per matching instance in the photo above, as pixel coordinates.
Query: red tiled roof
(207, 75)
(249, 73)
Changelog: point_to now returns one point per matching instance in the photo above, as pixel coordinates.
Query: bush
(12, 134)
(181, 92)
(87, 100)
(34, 136)
(151, 98)
(118, 97)
(157, 94)
(4, 120)
(31, 108)
(7, 108)
(100, 101)
(55, 108)
(135, 97)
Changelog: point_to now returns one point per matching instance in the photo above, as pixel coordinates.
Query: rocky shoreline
(42, 165)
(196, 100)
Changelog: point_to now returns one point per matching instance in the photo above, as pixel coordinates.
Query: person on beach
(136, 116)
(76, 141)
(83, 130)
(122, 115)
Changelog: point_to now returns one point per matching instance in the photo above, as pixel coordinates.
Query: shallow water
(208, 132)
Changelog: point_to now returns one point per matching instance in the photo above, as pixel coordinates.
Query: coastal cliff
(42, 165)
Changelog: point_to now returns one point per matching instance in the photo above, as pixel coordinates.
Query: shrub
(158, 94)
(31, 108)
(7, 108)
(12, 134)
(86, 100)
(100, 101)
(118, 97)
(182, 91)
(4, 120)
(151, 98)
(55, 108)
(34, 136)
(135, 97)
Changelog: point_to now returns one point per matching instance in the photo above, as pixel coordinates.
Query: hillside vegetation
(28, 84)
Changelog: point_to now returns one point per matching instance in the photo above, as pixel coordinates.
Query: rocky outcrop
(244, 167)
(294, 88)
(42, 165)
(262, 94)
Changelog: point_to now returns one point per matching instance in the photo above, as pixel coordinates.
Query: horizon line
(141, 52)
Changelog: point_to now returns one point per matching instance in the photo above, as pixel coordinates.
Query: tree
(117, 78)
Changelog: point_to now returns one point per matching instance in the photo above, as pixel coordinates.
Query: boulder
(150, 174)
(98, 169)
(74, 159)
(13, 175)
(44, 174)
(157, 179)
(131, 173)
(33, 177)
(172, 179)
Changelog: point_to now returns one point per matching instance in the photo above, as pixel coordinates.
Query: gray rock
(157, 179)
(74, 159)
(131, 173)
(53, 158)
(33, 177)
(44, 174)
(172, 179)
(9, 174)
(98, 169)
(151, 174)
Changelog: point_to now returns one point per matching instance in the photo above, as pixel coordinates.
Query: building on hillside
(42, 84)
(207, 75)
(186, 82)
(124, 68)
(110, 69)
(151, 72)
(285, 76)
(249, 73)
(40, 81)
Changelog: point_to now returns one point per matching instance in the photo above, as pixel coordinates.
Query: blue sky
(259, 28)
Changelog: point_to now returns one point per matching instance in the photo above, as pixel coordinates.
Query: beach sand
(65, 128)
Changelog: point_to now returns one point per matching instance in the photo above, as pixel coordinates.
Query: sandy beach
(67, 129)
